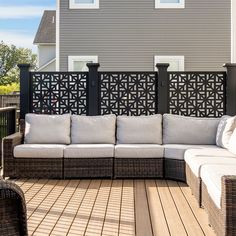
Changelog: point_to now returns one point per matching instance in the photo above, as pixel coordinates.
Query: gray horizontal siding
(127, 34)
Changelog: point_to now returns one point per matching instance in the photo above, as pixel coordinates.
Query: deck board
(127, 214)
(190, 223)
(112, 217)
(174, 221)
(143, 221)
(112, 207)
(158, 219)
(95, 224)
(199, 213)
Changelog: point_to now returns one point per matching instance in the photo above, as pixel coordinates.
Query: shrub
(7, 89)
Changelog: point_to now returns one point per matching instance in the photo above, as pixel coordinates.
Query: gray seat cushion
(47, 129)
(39, 151)
(89, 151)
(189, 130)
(139, 151)
(139, 129)
(196, 158)
(211, 176)
(93, 129)
(176, 151)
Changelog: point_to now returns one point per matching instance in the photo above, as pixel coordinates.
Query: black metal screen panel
(128, 93)
(59, 92)
(200, 94)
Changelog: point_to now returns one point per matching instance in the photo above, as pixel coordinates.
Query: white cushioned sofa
(139, 151)
(200, 151)
(91, 151)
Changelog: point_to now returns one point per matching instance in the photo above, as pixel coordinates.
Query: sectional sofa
(199, 151)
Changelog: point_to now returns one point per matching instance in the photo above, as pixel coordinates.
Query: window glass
(81, 65)
(176, 62)
(84, 1)
(84, 4)
(169, 1)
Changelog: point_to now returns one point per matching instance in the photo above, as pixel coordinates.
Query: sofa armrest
(9, 143)
(228, 203)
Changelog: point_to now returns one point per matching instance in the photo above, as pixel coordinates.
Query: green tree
(10, 56)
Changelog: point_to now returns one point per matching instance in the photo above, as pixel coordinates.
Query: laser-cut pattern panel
(200, 94)
(127, 93)
(59, 92)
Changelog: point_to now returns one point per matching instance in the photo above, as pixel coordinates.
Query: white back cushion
(47, 129)
(93, 129)
(139, 129)
(232, 143)
(225, 130)
(189, 130)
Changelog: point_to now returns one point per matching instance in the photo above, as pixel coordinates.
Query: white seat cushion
(211, 176)
(232, 143)
(189, 130)
(93, 129)
(47, 129)
(176, 151)
(89, 151)
(39, 151)
(139, 151)
(139, 129)
(197, 158)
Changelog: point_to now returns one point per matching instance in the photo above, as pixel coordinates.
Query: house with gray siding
(133, 35)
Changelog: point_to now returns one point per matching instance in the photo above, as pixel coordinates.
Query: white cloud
(18, 38)
(22, 12)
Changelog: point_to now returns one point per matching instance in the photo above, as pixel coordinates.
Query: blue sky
(19, 20)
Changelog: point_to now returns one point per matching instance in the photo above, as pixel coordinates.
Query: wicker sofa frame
(12, 210)
(195, 184)
(222, 220)
(88, 167)
(138, 167)
(174, 169)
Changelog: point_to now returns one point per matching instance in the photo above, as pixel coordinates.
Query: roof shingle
(47, 29)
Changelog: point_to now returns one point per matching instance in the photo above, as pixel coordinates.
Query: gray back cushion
(47, 129)
(93, 129)
(225, 130)
(139, 129)
(189, 130)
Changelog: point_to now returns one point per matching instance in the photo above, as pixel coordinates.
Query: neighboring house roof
(47, 29)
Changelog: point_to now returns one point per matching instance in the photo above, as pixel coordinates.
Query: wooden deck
(118, 207)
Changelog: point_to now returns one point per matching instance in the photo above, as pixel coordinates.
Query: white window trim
(158, 4)
(158, 59)
(72, 59)
(74, 5)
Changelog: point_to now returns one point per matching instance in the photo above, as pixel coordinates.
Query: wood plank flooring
(112, 207)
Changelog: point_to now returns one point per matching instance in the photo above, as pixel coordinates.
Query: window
(169, 3)
(78, 63)
(84, 4)
(176, 62)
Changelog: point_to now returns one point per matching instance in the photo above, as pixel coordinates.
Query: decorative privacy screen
(199, 94)
(59, 93)
(127, 93)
